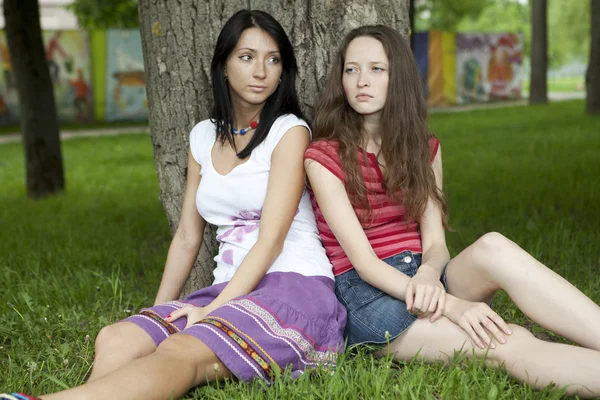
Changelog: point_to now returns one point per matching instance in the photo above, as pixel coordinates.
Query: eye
(378, 69)
(246, 57)
(349, 70)
(274, 60)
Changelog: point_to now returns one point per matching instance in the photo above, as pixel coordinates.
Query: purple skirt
(289, 320)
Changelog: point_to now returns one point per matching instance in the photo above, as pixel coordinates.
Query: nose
(363, 80)
(260, 72)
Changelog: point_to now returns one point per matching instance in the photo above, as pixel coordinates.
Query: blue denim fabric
(374, 317)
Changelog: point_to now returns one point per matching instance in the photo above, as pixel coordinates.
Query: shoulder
(323, 149)
(201, 134)
(285, 122)
(325, 153)
(203, 127)
(434, 145)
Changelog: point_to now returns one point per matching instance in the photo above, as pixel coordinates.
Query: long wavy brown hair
(408, 177)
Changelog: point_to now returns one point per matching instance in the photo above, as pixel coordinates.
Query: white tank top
(234, 202)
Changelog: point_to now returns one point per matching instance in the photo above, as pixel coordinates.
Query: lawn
(561, 84)
(76, 262)
(11, 129)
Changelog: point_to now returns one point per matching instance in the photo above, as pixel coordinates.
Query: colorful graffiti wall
(68, 57)
(125, 79)
(100, 75)
(464, 68)
(488, 67)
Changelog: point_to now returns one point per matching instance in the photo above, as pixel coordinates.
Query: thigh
(123, 341)
(374, 317)
(197, 355)
(437, 341)
(465, 280)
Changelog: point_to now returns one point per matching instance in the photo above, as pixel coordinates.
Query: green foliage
(446, 14)
(105, 14)
(94, 255)
(500, 16)
(568, 31)
(568, 23)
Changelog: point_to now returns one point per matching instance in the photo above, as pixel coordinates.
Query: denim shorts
(375, 317)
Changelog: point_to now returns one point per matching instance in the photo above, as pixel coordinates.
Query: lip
(258, 88)
(363, 97)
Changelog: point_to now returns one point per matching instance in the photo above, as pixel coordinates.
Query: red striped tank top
(386, 230)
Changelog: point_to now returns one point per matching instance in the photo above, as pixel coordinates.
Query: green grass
(81, 126)
(562, 84)
(76, 262)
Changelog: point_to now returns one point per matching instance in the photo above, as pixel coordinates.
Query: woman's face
(365, 76)
(253, 68)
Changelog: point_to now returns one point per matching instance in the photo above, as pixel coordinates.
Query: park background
(93, 254)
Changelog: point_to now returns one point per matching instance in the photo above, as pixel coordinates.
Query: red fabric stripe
(386, 228)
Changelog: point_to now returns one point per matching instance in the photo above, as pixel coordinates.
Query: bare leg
(179, 363)
(118, 344)
(525, 357)
(494, 262)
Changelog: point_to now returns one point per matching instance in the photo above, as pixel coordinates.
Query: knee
(514, 343)
(115, 338)
(489, 246)
(107, 338)
(519, 333)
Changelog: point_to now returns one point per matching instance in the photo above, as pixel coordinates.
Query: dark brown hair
(408, 177)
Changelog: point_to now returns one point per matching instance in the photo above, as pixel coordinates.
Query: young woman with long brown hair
(375, 173)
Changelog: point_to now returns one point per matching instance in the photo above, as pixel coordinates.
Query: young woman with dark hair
(272, 304)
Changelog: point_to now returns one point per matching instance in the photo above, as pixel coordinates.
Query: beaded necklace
(243, 131)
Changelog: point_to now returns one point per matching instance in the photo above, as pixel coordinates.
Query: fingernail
(168, 317)
(493, 346)
(502, 340)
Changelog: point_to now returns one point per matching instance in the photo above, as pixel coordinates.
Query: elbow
(271, 244)
(364, 265)
(190, 242)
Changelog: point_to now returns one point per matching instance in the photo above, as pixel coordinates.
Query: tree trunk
(411, 18)
(538, 84)
(592, 77)
(37, 111)
(178, 38)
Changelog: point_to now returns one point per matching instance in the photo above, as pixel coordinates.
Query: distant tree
(446, 14)
(568, 31)
(501, 16)
(411, 20)
(592, 81)
(105, 14)
(538, 84)
(37, 110)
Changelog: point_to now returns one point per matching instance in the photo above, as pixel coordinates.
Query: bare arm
(341, 218)
(433, 238)
(426, 296)
(286, 184)
(186, 241)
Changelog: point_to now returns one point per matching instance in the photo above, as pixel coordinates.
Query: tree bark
(411, 18)
(37, 111)
(178, 38)
(538, 84)
(592, 76)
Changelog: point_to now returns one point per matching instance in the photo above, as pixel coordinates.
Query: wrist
(451, 302)
(425, 268)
